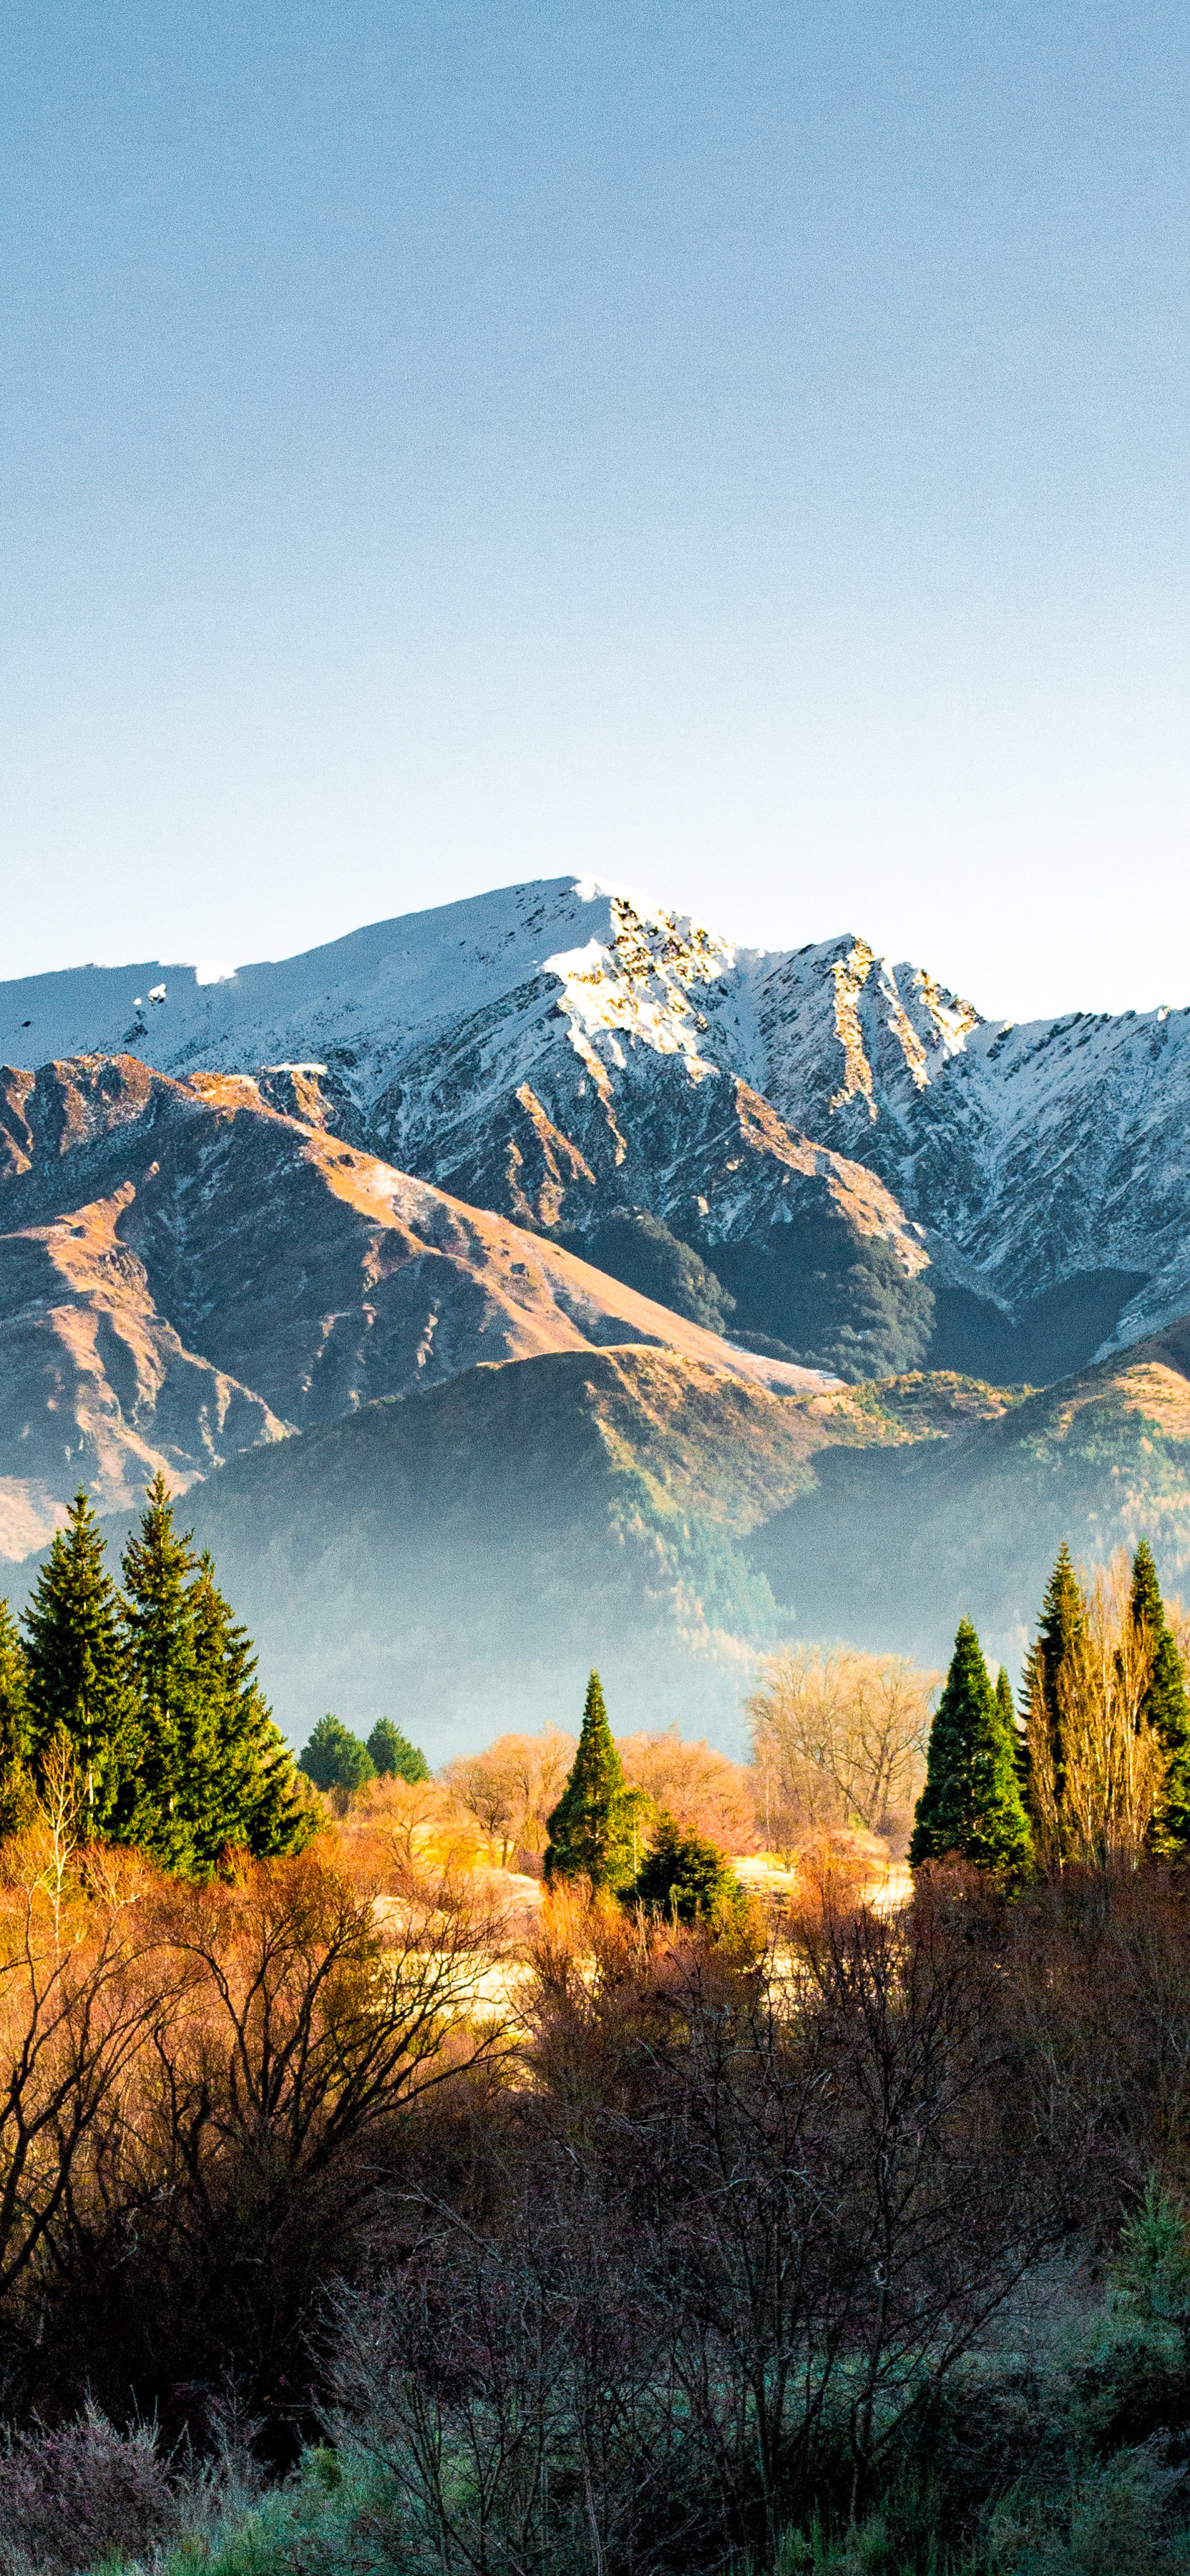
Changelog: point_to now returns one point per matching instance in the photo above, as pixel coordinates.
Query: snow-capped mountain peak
(540, 1046)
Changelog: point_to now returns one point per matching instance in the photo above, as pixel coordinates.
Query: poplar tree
(76, 1661)
(971, 1802)
(591, 1828)
(1164, 1705)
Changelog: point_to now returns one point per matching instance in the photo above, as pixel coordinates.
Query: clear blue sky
(740, 451)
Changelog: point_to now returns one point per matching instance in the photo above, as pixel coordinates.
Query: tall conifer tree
(971, 1802)
(218, 1776)
(1060, 1633)
(590, 1830)
(262, 1804)
(180, 1759)
(78, 1679)
(1006, 1703)
(1165, 1705)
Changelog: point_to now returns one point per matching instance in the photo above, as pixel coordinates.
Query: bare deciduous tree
(704, 1791)
(839, 1739)
(513, 1787)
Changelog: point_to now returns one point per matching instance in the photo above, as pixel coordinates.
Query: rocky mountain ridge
(552, 1047)
(186, 1271)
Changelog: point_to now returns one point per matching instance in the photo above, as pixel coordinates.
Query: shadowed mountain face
(479, 1547)
(459, 1559)
(892, 1546)
(555, 1049)
(184, 1272)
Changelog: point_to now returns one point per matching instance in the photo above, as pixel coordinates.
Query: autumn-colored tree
(512, 1788)
(838, 1740)
(702, 1789)
(1097, 1757)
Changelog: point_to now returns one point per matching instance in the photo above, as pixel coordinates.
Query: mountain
(186, 1271)
(891, 1545)
(829, 1130)
(312, 1238)
(459, 1559)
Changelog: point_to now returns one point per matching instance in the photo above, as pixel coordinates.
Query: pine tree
(334, 1758)
(591, 1828)
(393, 1756)
(1060, 1634)
(16, 1784)
(179, 1777)
(262, 1805)
(78, 1679)
(1006, 1703)
(971, 1802)
(685, 1879)
(1164, 1705)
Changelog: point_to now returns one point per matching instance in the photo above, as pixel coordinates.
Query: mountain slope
(652, 1515)
(184, 1271)
(478, 1547)
(483, 1544)
(892, 1548)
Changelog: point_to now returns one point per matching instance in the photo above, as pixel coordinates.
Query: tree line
(140, 1703)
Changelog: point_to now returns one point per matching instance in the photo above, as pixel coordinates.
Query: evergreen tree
(180, 1770)
(216, 1774)
(262, 1805)
(971, 1802)
(1165, 1705)
(685, 1879)
(1006, 1703)
(394, 1756)
(591, 1828)
(334, 1758)
(1060, 1633)
(16, 1784)
(76, 1661)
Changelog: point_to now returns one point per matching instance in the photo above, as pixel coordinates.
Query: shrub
(685, 1879)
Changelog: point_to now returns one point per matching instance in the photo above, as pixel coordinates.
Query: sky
(741, 452)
